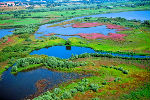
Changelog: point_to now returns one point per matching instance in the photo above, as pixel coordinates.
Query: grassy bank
(108, 81)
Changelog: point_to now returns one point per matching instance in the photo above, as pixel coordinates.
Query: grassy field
(108, 81)
(111, 77)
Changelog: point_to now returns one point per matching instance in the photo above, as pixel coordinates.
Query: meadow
(111, 77)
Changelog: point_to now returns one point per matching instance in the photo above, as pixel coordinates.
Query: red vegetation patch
(109, 26)
(111, 79)
(112, 36)
(49, 34)
(118, 27)
(9, 40)
(84, 25)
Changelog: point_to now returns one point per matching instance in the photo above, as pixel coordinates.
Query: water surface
(4, 32)
(65, 53)
(138, 15)
(23, 84)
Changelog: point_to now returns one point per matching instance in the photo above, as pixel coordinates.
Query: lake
(66, 52)
(44, 29)
(16, 87)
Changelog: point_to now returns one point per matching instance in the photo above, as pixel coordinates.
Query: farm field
(84, 52)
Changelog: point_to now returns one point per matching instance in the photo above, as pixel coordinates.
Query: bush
(14, 69)
(47, 97)
(125, 72)
(73, 91)
(57, 90)
(120, 68)
(68, 42)
(104, 83)
(94, 87)
(117, 79)
(80, 88)
(66, 95)
(95, 99)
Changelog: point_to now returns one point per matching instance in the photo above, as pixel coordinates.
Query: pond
(66, 52)
(23, 84)
(4, 32)
(44, 29)
(70, 30)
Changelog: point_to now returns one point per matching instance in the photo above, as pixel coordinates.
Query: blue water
(4, 32)
(23, 84)
(63, 52)
(70, 31)
(138, 15)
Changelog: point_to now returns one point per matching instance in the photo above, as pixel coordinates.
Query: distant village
(40, 3)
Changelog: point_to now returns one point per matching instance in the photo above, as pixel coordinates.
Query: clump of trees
(84, 55)
(50, 62)
(57, 94)
(120, 69)
(26, 29)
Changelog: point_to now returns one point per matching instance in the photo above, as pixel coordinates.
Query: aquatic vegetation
(86, 25)
(113, 36)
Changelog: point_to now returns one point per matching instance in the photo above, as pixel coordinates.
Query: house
(2, 4)
(10, 3)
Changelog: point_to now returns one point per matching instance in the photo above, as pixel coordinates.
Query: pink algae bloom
(92, 36)
(84, 25)
(115, 36)
(118, 27)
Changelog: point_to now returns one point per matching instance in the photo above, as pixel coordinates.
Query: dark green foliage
(81, 88)
(120, 68)
(14, 69)
(73, 91)
(50, 62)
(94, 87)
(26, 29)
(53, 37)
(95, 99)
(24, 36)
(117, 79)
(105, 55)
(68, 42)
(57, 90)
(104, 83)
(28, 39)
(66, 95)
(15, 48)
(23, 62)
(125, 71)
(141, 93)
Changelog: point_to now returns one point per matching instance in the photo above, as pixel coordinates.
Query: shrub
(125, 72)
(104, 83)
(47, 97)
(66, 95)
(120, 68)
(73, 91)
(94, 87)
(14, 69)
(68, 42)
(95, 98)
(53, 37)
(117, 79)
(80, 88)
(57, 90)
